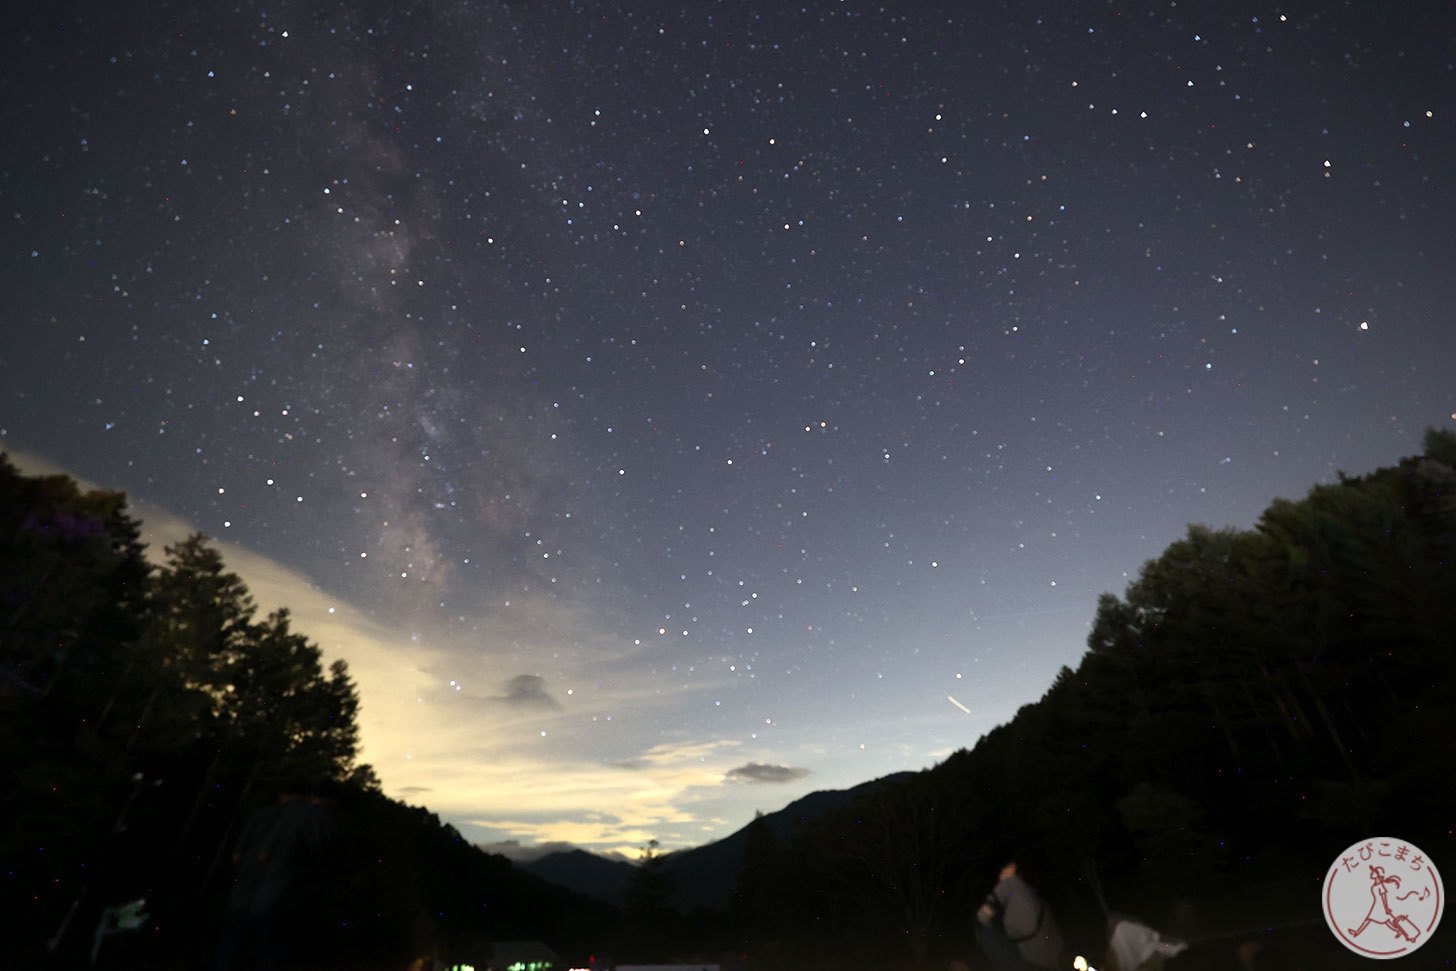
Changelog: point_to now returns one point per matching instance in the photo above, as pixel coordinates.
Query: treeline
(147, 712)
(1257, 701)
(1254, 703)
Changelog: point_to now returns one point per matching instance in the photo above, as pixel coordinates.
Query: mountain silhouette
(703, 876)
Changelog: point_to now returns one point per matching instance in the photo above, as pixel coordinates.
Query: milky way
(672, 410)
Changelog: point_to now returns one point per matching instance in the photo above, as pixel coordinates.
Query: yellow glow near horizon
(468, 758)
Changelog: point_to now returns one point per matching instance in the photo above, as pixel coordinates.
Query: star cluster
(716, 394)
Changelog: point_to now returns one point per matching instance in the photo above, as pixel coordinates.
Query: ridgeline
(1256, 701)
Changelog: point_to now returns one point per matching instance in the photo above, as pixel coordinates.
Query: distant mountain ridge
(703, 876)
(589, 874)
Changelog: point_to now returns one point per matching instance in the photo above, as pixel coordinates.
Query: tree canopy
(1255, 700)
(147, 712)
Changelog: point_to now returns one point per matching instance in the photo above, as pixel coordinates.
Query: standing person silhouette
(278, 908)
(1015, 927)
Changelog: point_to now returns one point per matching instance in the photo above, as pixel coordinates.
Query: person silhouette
(278, 904)
(1015, 928)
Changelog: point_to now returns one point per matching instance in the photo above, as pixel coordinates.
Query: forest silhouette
(1252, 704)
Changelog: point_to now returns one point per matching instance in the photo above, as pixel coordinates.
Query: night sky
(669, 410)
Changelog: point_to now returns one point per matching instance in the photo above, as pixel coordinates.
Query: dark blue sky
(662, 390)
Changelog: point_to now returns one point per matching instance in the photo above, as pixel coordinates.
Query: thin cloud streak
(760, 773)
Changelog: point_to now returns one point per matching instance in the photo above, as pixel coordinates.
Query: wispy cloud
(758, 772)
(559, 756)
(542, 802)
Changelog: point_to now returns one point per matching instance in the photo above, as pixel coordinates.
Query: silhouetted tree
(753, 905)
(650, 924)
(72, 589)
(144, 713)
(1253, 697)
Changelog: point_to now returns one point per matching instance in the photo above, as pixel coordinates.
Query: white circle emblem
(1383, 898)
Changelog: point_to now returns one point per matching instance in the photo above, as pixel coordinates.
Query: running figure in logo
(1399, 924)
